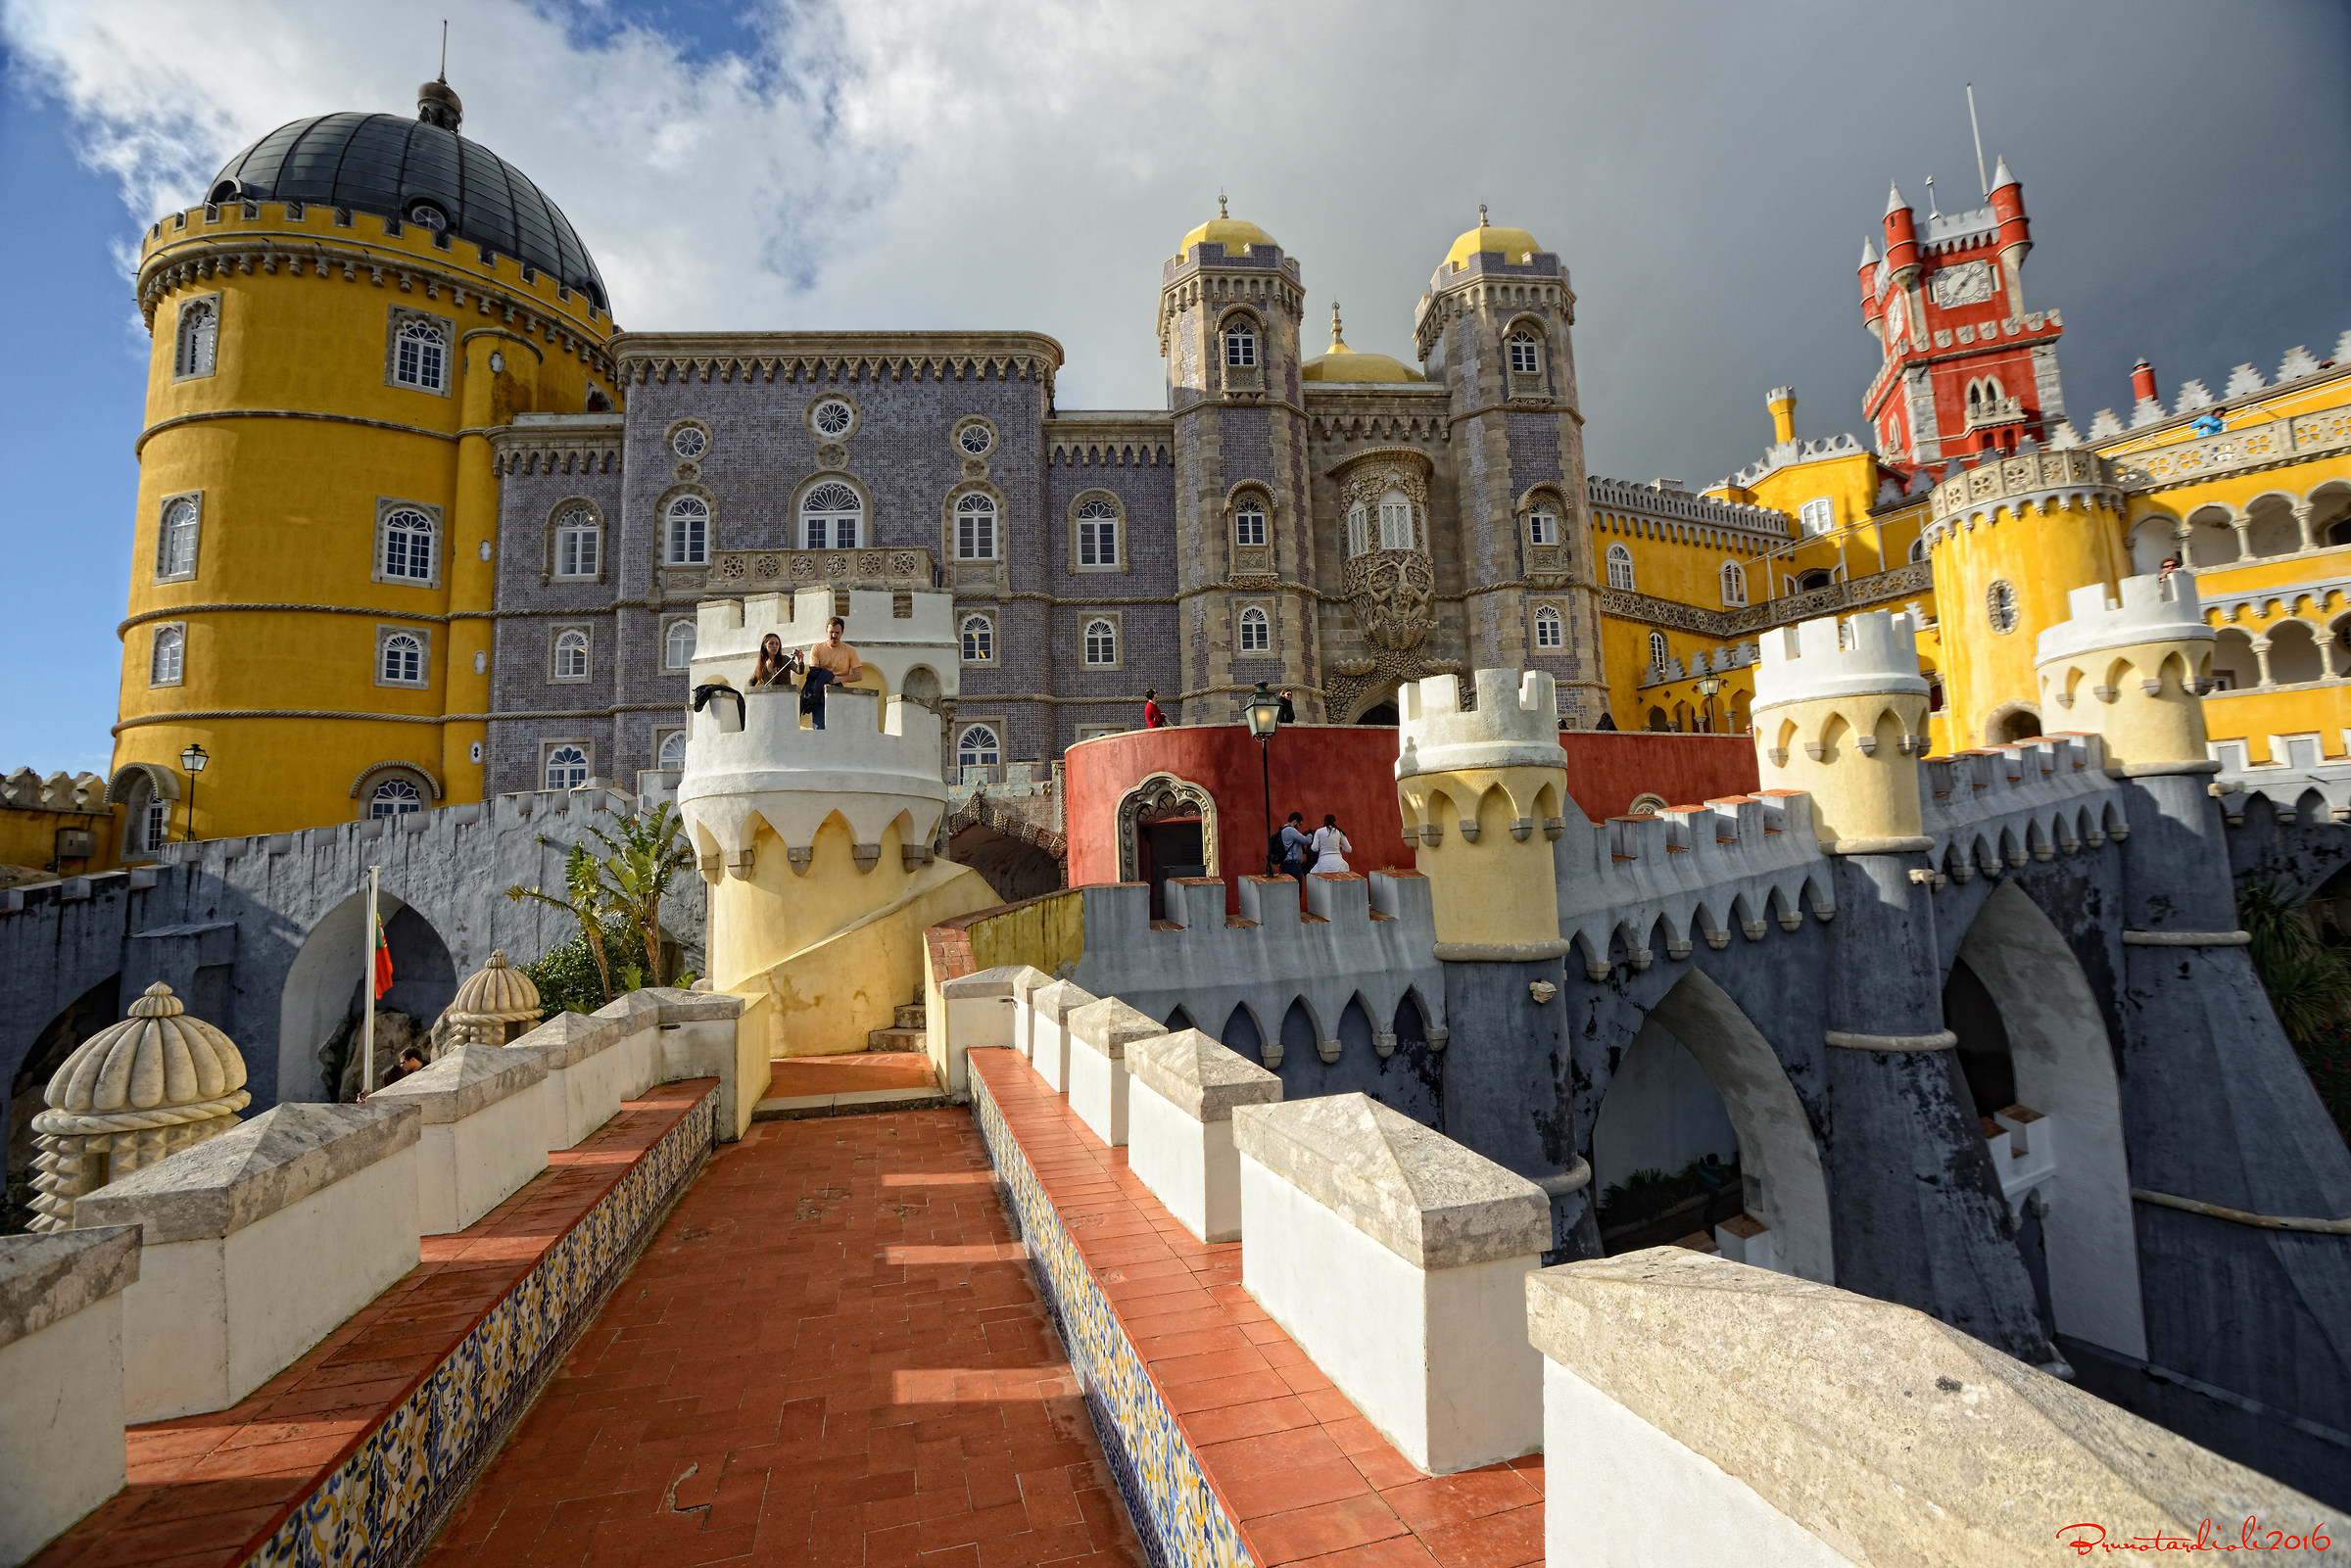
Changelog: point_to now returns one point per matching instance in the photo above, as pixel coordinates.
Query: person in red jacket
(1153, 717)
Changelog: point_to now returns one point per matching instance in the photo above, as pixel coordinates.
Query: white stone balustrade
(483, 1132)
(1179, 1126)
(1699, 1411)
(1049, 1010)
(61, 1379)
(1397, 1259)
(256, 1244)
(980, 1011)
(1025, 986)
(1099, 1034)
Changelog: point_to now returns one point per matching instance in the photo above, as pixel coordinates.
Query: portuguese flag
(383, 961)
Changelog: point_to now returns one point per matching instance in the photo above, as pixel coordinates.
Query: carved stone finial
(1221, 212)
(1336, 341)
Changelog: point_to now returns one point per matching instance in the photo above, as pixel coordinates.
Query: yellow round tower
(2133, 672)
(359, 304)
(1840, 714)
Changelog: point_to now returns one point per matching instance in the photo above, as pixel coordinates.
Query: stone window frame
(868, 521)
(1250, 557)
(1250, 377)
(363, 788)
(669, 630)
(1731, 573)
(401, 315)
(1806, 513)
(956, 428)
(1553, 615)
(669, 440)
(385, 506)
(661, 541)
(555, 525)
(994, 724)
(555, 636)
(661, 738)
(1548, 498)
(1264, 610)
(948, 516)
(385, 631)
(177, 630)
(836, 438)
(1118, 506)
(1621, 554)
(963, 624)
(1661, 651)
(551, 744)
(162, 536)
(1118, 639)
(181, 323)
(1521, 383)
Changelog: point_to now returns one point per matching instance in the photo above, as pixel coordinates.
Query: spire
(1933, 211)
(1221, 212)
(1338, 345)
(2000, 175)
(1894, 200)
(1869, 254)
(1481, 214)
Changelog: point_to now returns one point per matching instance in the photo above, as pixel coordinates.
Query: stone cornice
(830, 357)
(1110, 440)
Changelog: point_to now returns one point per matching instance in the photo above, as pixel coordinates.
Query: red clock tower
(1967, 367)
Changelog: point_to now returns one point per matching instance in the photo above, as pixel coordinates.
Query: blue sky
(1708, 179)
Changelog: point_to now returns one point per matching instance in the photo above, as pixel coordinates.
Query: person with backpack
(1292, 846)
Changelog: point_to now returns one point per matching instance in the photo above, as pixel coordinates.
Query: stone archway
(1159, 798)
(324, 986)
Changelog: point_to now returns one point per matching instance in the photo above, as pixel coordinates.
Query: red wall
(1341, 769)
(1608, 769)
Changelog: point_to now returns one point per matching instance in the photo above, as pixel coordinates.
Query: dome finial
(1338, 343)
(436, 102)
(1481, 214)
(1221, 212)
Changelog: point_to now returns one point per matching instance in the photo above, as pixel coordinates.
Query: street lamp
(193, 760)
(1707, 687)
(1264, 717)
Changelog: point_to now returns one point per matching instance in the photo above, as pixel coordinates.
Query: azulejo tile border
(380, 1505)
(1180, 1519)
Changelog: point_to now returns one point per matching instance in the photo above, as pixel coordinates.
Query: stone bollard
(1099, 1035)
(1179, 1126)
(1049, 1010)
(981, 1012)
(1397, 1259)
(61, 1379)
(483, 1133)
(1025, 986)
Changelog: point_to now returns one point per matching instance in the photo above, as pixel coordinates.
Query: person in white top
(1329, 844)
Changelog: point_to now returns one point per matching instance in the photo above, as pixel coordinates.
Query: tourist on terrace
(831, 662)
(1154, 717)
(1289, 708)
(2171, 564)
(1295, 847)
(775, 666)
(1329, 844)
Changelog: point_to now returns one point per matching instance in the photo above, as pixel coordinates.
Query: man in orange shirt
(831, 662)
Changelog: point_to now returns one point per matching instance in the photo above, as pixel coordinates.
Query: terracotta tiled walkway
(792, 1076)
(204, 1487)
(833, 1356)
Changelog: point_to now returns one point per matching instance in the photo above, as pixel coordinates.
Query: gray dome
(388, 165)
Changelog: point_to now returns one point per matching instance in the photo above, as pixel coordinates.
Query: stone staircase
(906, 1032)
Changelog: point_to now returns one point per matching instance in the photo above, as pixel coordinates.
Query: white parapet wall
(699, 1034)
(1049, 1010)
(485, 1120)
(1698, 1411)
(1396, 1258)
(1099, 1034)
(61, 1380)
(1025, 986)
(256, 1244)
(589, 1072)
(976, 1012)
(1179, 1126)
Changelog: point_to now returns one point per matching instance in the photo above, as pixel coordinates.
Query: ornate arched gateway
(1163, 797)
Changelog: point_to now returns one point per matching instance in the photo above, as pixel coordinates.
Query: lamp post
(193, 760)
(1707, 687)
(1264, 717)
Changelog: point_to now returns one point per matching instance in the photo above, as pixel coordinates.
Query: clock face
(1898, 315)
(1969, 283)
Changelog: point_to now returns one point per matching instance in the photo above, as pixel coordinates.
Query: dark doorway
(2020, 726)
(1165, 849)
(94, 1010)
(1815, 579)
(1383, 714)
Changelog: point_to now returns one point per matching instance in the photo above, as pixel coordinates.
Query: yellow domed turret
(1339, 362)
(1514, 243)
(1233, 233)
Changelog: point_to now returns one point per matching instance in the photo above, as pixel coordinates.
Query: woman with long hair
(1330, 845)
(775, 665)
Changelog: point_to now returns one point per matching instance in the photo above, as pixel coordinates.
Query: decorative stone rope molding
(2238, 1216)
(186, 715)
(139, 446)
(183, 611)
(2188, 938)
(1940, 1040)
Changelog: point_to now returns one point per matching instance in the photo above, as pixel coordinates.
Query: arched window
(1734, 583)
(1542, 526)
(829, 517)
(1240, 345)
(1918, 549)
(1257, 632)
(977, 747)
(687, 539)
(979, 640)
(151, 817)
(1097, 533)
(1620, 566)
(578, 543)
(164, 659)
(176, 542)
(394, 797)
(408, 554)
(1817, 515)
(672, 755)
(199, 339)
(1548, 630)
(402, 659)
(1359, 529)
(571, 655)
(566, 766)
(420, 355)
(1101, 642)
(1657, 654)
(677, 647)
(1249, 524)
(1526, 354)
(1394, 521)
(975, 526)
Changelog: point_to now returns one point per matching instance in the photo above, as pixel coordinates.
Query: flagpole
(368, 989)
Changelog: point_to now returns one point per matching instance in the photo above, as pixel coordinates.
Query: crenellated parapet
(1473, 785)
(2135, 670)
(1840, 713)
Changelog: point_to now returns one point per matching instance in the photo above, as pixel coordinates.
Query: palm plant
(645, 853)
(2307, 976)
(586, 899)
